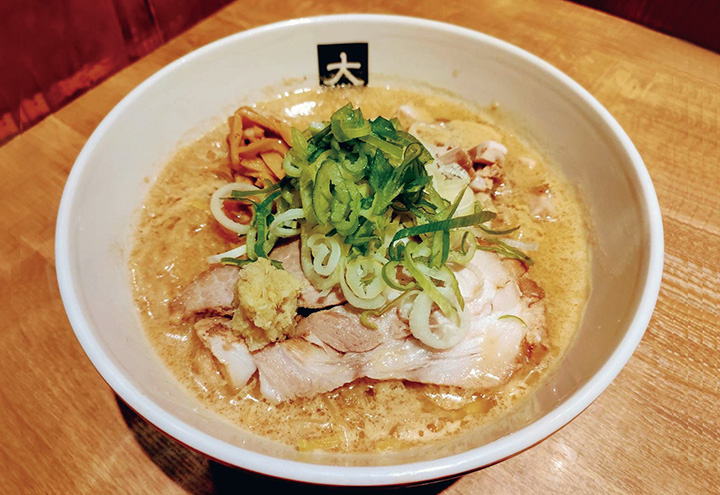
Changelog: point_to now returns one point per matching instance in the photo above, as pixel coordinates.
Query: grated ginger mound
(266, 301)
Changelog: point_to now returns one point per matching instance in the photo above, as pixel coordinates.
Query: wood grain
(655, 430)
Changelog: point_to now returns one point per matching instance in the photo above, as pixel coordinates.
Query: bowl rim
(415, 472)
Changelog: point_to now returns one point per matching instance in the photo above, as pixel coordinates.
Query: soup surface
(176, 233)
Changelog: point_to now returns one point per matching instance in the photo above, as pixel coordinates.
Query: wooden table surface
(655, 429)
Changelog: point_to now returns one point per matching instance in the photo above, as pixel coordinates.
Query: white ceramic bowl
(107, 185)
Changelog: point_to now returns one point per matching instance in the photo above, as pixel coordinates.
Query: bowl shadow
(199, 475)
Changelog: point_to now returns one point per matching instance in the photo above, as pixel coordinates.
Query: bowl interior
(109, 181)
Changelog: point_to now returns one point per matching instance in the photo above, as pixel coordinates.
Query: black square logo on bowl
(343, 63)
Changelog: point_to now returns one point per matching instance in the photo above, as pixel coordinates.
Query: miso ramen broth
(176, 233)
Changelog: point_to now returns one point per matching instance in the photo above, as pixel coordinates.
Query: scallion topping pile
(358, 194)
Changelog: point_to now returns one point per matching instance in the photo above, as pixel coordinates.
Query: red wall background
(53, 50)
(697, 21)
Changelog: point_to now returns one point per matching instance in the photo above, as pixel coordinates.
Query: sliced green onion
(499, 247)
(512, 317)
(498, 232)
(320, 135)
(263, 215)
(352, 297)
(383, 128)
(429, 288)
(390, 277)
(446, 334)
(242, 195)
(462, 254)
(364, 277)
(280, 227)
(348, 123)
(412, 151)
(381, 311)
(241, 263)
(326, 254)
(447, 224)
(389, 148)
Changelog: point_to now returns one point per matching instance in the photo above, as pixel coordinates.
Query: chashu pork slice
(211, 293)
(299, 368)
(507, 321)
(229, 350)
(311, 364)
(340, 329)
(311, 298)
